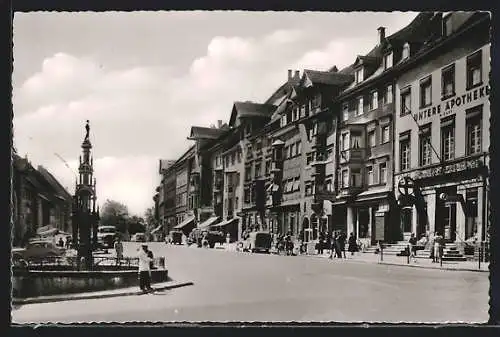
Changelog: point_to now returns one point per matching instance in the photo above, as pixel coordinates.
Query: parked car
(139, 237)
(37, 250)
(106, 236)
(259, 242)
(214, 237)
(176, 237)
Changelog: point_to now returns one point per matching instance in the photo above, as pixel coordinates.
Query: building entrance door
(406, 220)
(446, 214)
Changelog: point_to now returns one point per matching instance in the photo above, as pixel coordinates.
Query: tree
(150, 218)
(114, 213)
(135, 224)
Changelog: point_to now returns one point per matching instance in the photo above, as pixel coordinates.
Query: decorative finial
(87, 129)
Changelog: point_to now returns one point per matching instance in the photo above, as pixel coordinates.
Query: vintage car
(106, 236)
(176, 237)
(37, 250)
(139, 237)
(259, 242)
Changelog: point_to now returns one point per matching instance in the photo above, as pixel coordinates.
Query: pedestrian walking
(342, 240)
(352, 244)
(118, 248)
(321, 243)
(437, 248)
(413, 247)
(144, 269)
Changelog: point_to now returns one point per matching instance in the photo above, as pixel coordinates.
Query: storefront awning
(225, 223)
(47, 231)
(185, 222)
(157, 229)
(372, 195)
(209, 222)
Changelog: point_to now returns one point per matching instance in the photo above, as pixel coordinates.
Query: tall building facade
(442, 131)
(330, 150)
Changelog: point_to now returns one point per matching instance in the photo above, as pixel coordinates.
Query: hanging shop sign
(448, 106)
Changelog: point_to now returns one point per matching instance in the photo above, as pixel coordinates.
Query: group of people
(337, 242)
(284, 244)
(434, 241)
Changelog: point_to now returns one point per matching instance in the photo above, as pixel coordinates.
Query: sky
(144, 78)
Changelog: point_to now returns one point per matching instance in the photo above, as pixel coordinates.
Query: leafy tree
(135, 224)
(114, 213)
(150, 218)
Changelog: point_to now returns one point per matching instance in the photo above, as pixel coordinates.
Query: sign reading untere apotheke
(448, 106)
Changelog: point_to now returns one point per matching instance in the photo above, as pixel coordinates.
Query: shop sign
(463, 165)
(447, 107)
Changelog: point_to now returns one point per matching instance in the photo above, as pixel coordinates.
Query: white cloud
(144, 113)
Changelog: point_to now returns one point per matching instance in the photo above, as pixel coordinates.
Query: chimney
(289, 74)
(297, 75)
(381, 34)
(219, 123)
(334, 69)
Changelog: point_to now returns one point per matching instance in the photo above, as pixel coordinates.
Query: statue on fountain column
(87, 129)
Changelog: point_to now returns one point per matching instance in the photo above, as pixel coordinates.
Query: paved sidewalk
(100, 294)
(421, 262)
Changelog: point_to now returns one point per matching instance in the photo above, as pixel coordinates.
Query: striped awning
(185, 222)
(225, 223)
(209, 222)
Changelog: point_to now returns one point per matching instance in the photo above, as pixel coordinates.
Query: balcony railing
(353, 154)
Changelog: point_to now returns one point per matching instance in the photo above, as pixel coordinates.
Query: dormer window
(406, 51)
(447, 25)
(388, 60)
(359, 75)
(283, 121)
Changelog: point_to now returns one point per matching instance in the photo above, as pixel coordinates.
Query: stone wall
(33, 283)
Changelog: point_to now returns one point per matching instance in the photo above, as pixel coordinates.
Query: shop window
(474, 69)
(471, 212)
(448, 81)
(473, 129)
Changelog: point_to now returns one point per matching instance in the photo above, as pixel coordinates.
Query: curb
(434, 268)
(405, 265)
(94, 295)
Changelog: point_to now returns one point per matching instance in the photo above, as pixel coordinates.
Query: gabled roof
(327, 78)
(250, 109)
(199, 132)
(54, 183)
(370, 60)
(165, 164)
